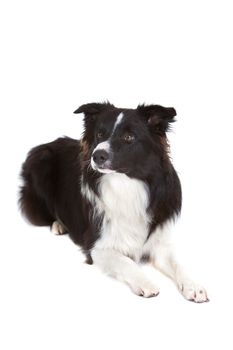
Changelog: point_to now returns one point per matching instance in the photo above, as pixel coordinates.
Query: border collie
(115, 192)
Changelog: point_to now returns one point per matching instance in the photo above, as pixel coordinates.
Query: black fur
(52, 172)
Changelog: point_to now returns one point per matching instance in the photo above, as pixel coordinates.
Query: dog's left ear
(157, 117)
(93, 108)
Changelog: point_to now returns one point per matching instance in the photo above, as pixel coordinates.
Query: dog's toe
(193, 292)
(145, 289)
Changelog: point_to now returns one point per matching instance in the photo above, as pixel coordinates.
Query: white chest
(125, 225)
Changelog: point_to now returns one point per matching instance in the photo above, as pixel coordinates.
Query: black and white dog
(115, 192)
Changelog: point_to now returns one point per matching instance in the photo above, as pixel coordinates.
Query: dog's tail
(36, 193)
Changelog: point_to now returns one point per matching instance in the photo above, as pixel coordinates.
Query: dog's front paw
(193, 292)
(144, 288)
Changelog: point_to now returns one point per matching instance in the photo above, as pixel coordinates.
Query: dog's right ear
(94, 108)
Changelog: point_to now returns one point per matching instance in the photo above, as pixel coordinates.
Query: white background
(57, 55)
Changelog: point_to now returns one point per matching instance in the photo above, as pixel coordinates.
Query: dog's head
(129, 141)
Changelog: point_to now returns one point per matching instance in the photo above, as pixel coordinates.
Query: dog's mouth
(103, 168)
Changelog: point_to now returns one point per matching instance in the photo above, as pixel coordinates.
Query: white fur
(118, 121)
(92, 198)
(161, 251)
(103, 146)
(57, 228)
(121, 267)
(123, 238)
(125, 224)
(124, 231)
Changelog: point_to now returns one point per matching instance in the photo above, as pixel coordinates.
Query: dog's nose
(100, 157)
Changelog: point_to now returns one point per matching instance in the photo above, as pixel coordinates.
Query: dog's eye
(129, 138)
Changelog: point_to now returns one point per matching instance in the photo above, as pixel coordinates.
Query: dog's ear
(94, 108)
(157, 117)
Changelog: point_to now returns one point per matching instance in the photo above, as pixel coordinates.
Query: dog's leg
(160, 249)
(124, 269)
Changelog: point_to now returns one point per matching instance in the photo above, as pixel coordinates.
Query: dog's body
(115, 192)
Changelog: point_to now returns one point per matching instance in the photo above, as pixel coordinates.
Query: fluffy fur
(115, 192)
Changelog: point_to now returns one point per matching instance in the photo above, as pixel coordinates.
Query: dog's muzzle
(100, 161)
(100, 157)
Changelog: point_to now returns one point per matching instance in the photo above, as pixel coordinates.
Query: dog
(115, 192)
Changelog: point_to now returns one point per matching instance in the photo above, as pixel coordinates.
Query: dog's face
(130, 141)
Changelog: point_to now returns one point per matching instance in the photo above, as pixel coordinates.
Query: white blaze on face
(106, 147)
(118, 121)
